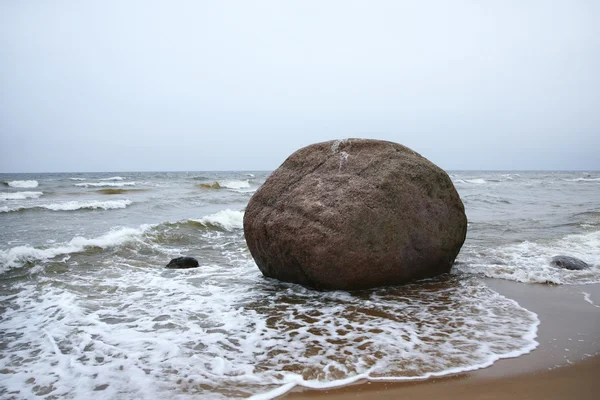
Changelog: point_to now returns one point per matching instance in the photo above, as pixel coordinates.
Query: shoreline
(566, 359)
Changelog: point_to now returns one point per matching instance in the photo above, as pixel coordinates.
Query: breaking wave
(20, 195)
(529, 262)
(18, 256)
(226, 219)
(23, 184)
(72, 206)
(477, 181)
(226, 184)
(105, 184)
(583, 180)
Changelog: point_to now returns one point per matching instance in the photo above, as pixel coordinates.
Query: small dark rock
(568, 262)
(183, 262)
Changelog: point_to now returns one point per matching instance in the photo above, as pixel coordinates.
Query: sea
(88, 309)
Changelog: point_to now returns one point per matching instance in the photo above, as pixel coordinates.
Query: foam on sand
(72, 206)
(20, 195)
(210, 339)
(23, 184)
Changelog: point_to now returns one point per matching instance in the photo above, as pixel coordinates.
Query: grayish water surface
(88, 309)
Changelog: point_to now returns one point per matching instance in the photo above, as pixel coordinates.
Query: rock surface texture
(355, 214)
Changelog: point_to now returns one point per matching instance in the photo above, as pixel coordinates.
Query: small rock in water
(568, 262)
(183, 262)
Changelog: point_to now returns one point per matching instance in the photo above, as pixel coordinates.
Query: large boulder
(355, 214)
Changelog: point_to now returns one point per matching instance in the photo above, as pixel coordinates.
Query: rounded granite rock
(355, 214)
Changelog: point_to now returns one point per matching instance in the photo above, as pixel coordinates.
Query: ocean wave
(72, 206)
(23, 184)
(235, 185)
(104, 184)
(112, 178)
(77, 179)
(511, 177)
(212, 185)
(20, 195)
(583, 180)
(225, 219)
(119, 191)
(529, 262)
(477, 181)
(18, 256)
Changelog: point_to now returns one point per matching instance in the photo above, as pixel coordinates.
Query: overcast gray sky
(239, 85)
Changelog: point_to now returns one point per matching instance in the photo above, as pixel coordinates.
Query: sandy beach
(564, 365)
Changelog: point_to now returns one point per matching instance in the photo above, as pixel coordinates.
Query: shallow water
(88, 308)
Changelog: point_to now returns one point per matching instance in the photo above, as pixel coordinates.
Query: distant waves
(70, 205)
(104, 184)
(22, 184)
(20, 195)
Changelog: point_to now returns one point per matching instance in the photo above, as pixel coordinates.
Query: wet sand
(566, 364)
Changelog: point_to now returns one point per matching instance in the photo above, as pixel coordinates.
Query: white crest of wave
(74, 205)
(105, 184)
(583, 180)
(529, 262)
(476, 181)
(227, 219)
(17, 256)
(235, 184)
(94, 204)
(23, 184)
(77, 179)
(112, 178)
(20, 195)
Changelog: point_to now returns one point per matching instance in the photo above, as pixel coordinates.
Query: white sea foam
(17, 256)
(77, 179)
(104, 184)
(588, 298)
(175, 334)
(529, 262)
(112, 178)
(583, 180)
(23, 184)
(477, 181)
(226, 219)
(235, 184)
(20, 195)
(72, 206)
